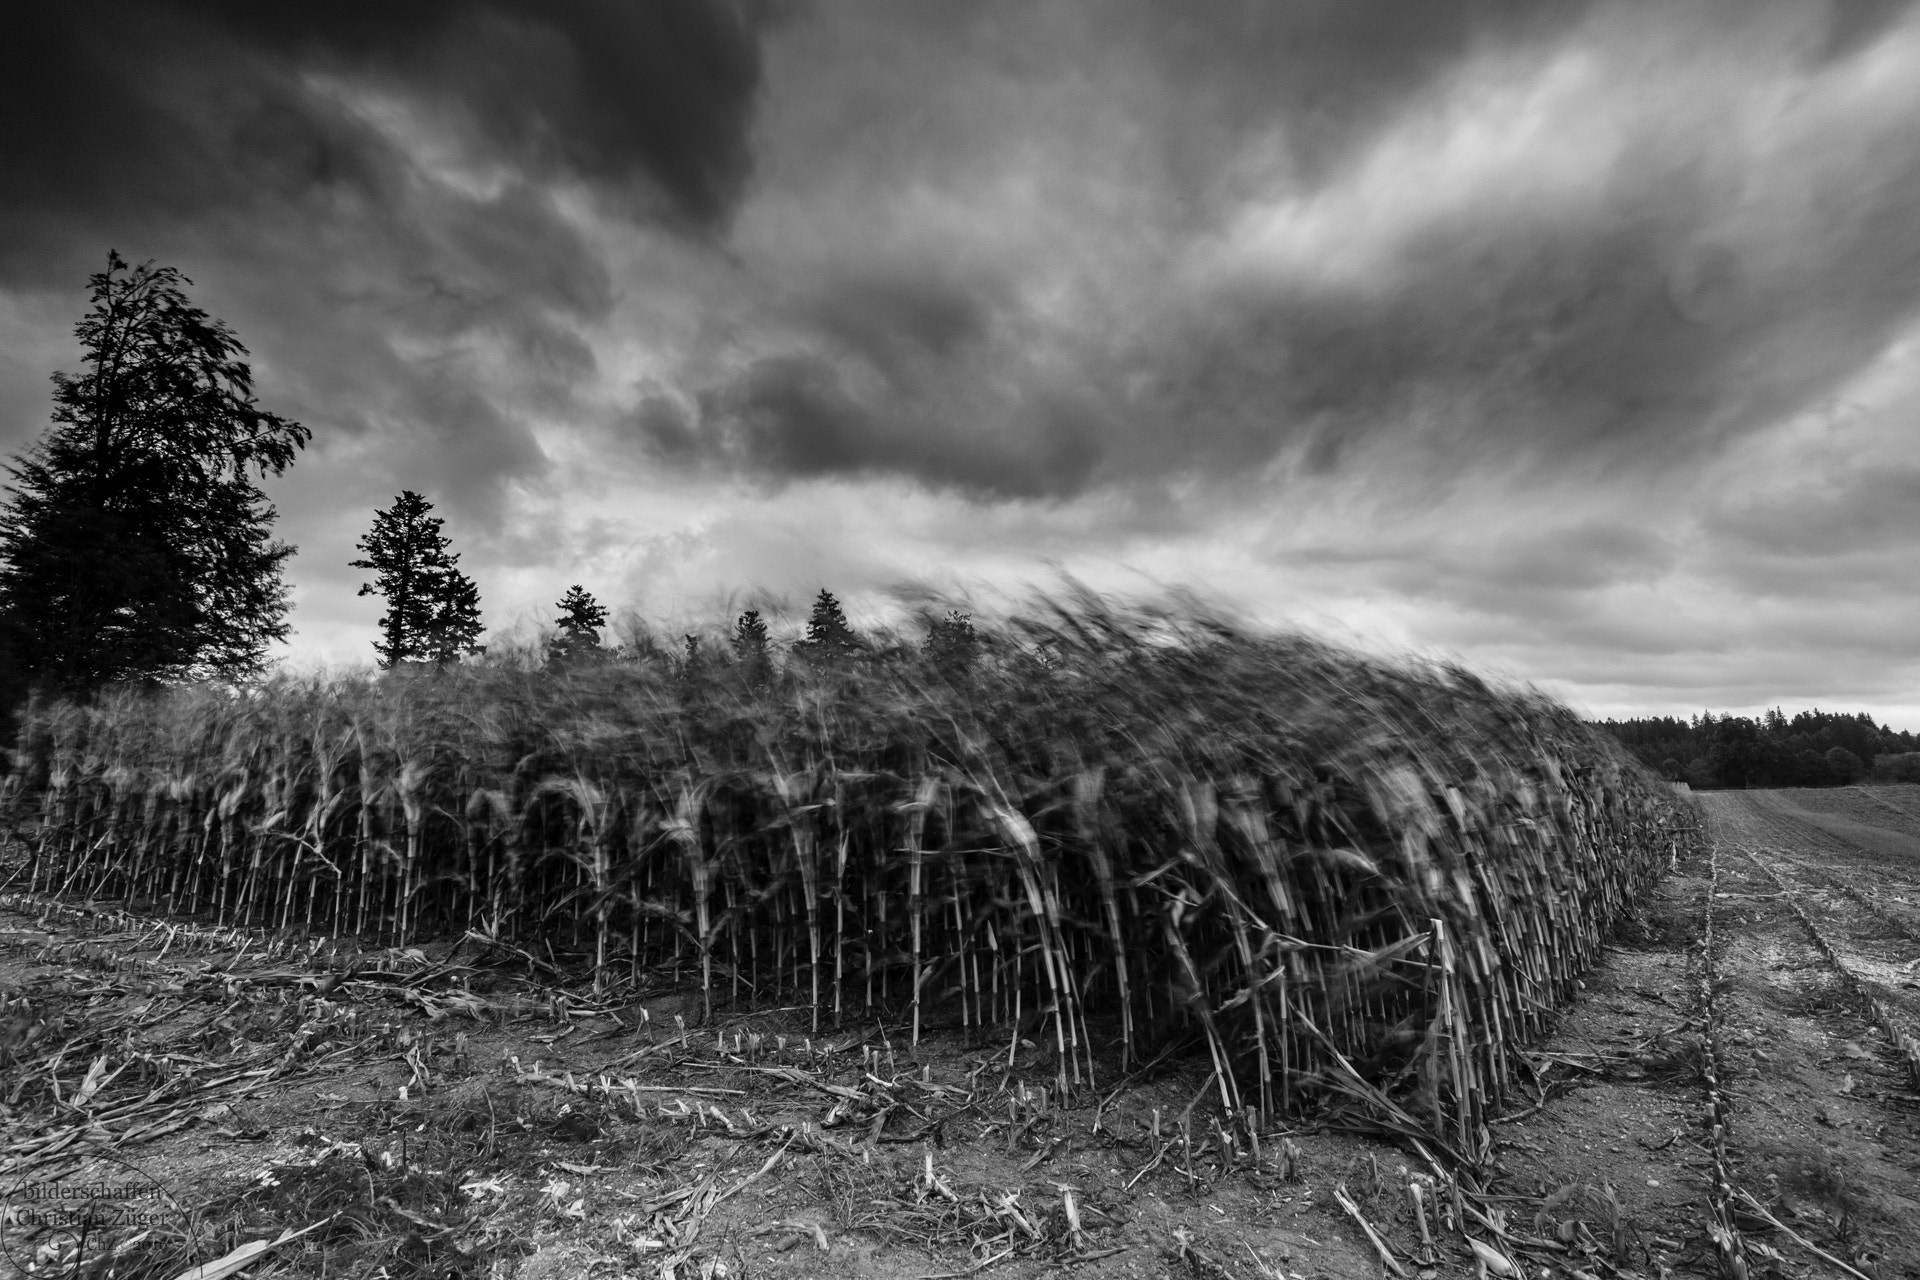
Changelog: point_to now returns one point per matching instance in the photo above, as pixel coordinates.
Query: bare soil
(454, 1111)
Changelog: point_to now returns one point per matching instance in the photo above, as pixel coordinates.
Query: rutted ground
(1823, 1115)
(1828, 1120)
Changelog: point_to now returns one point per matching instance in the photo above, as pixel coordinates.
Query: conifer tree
(581, 618)
(750, 646)
(829, 638)
(952, 643)
(134, 543)
(433, 609)
(456, 628)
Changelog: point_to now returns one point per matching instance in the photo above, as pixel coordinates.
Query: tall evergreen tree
(134, 542)
(433, 609)
(456, 629)
(581, 618)
(829, 638)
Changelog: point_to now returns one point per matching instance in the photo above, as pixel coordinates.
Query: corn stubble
(1351, 880)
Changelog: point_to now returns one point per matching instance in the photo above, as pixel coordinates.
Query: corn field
(1121, 829)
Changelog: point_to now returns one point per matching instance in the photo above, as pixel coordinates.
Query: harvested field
(609, 1148)
(1825, 990)
(558, 1137)
(987, 967)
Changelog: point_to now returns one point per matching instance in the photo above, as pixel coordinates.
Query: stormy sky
(1580, 341)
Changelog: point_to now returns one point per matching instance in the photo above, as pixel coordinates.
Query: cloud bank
(1576, 339)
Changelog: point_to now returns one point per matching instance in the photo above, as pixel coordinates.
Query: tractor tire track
(1837, 898)
(1820, 1122)
(1870, 994)
(1730, 1246)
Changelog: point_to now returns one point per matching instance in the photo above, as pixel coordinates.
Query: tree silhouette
(433, 609)
(952, 643)
(134, 543)
(829, 638)
(750, 646)
(581, 617)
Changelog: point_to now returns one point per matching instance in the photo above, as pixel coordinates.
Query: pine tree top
(579, 624)
(433, 609)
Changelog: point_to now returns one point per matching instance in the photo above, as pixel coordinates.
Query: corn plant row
(1118, 829)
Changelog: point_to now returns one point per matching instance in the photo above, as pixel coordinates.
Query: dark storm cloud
(1342, 235)
(184, 107)
(1573, 559)
(900, 319)
(603, 89)
(1581, 335)
(368, 190)
(792, 417)
(1332, 70)
(1854, 24)
(1545, 340)
(1876, 510)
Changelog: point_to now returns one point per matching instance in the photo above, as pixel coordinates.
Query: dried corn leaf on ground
(1351, 880)
(505, 1135)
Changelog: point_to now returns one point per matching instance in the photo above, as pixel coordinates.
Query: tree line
(433, 615)
(1811, 749)
(136, 544)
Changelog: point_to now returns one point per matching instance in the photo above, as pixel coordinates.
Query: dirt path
(1613, 1159)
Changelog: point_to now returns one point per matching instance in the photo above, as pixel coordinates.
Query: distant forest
(1813, 749)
